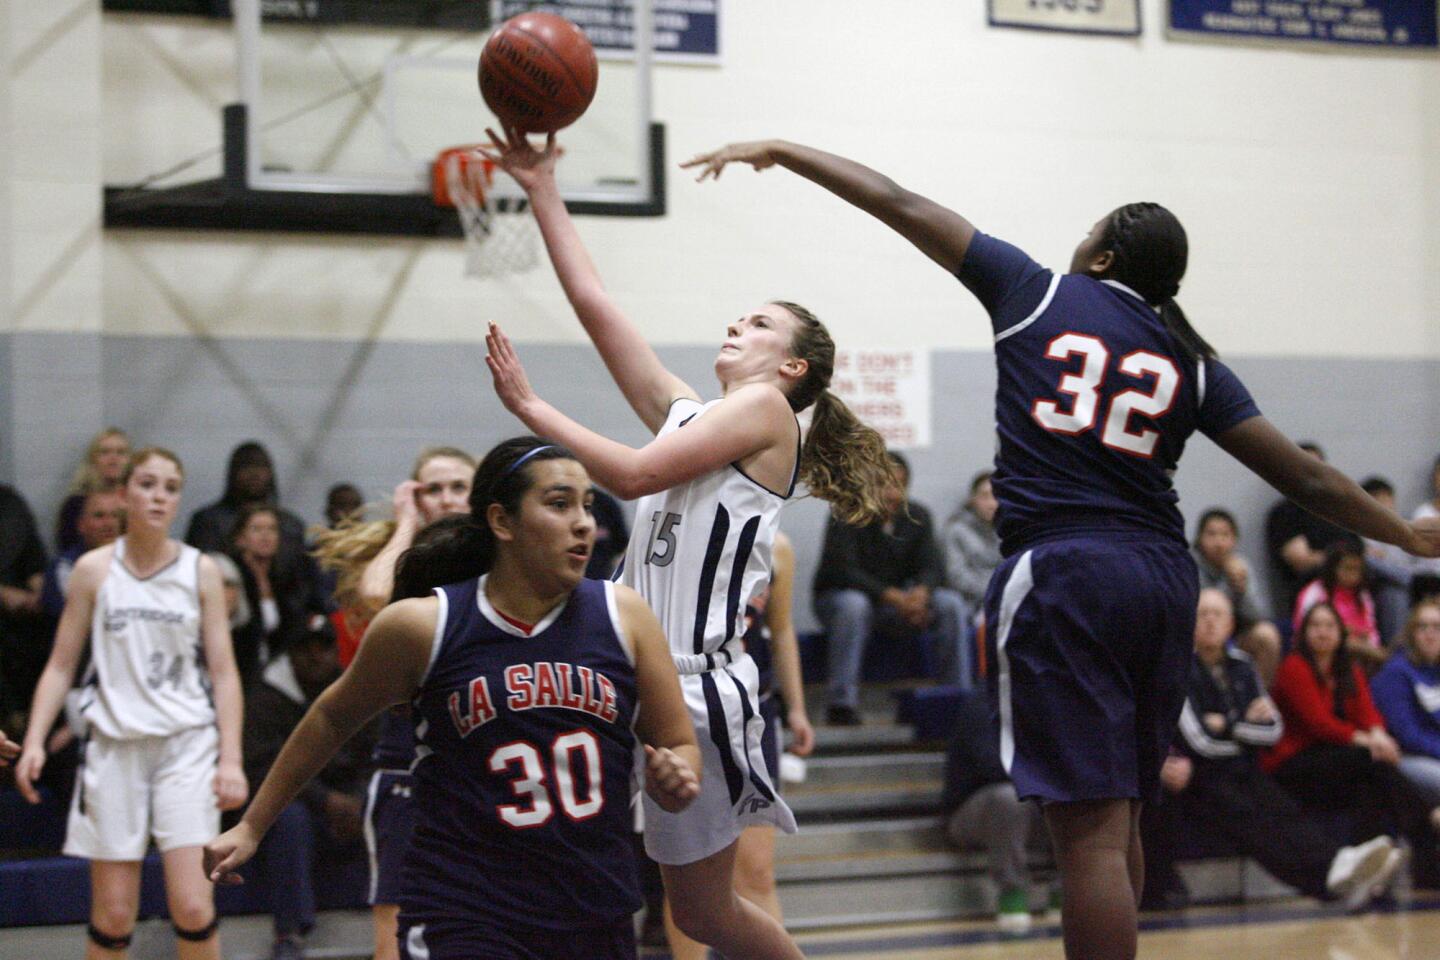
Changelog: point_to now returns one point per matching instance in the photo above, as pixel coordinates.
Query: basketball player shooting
(1102, 380)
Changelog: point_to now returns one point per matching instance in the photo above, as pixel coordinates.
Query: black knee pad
(106, 942)
(197, 936)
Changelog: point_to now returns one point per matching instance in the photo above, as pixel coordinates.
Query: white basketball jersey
(701, 550)
(148, 676)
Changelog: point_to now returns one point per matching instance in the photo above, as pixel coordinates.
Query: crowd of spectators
(1310, 737)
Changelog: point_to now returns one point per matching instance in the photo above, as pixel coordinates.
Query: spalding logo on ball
(538, 72)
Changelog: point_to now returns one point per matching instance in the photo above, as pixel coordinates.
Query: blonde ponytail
(844, 462)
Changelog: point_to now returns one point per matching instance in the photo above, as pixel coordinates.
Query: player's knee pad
(106, 942)
(197, 936)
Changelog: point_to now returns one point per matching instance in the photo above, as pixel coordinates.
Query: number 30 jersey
(1094, 402)
(523, 767)
(702, 550)
(147, 674)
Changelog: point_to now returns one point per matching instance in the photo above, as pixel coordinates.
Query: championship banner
(685, 31)
(1404, 24)
(435, 14)
(1115, 17)
(889, 390)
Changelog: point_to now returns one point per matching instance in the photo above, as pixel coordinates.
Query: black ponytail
(458, 548)
(1151, 253)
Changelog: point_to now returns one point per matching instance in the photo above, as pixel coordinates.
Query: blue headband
(520, 462)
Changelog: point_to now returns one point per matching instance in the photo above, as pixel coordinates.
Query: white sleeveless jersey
(701, 550)
(148, 676)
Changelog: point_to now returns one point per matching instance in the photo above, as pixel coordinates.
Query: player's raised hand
(758, 153)
(231, 787)
(519, 158)
(1425, 537)
(407, 507)
(224, 855)
(511, 384)
(9, 749)
(669, 779)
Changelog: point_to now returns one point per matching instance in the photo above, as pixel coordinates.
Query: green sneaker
(1013, 915)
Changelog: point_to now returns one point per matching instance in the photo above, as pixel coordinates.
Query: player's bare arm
(1323, 490)
(672, 757)
(752, 419)
(642, 378)
(59, 673)
(937, 231)
(231, 788)
(387, 670)
(785, 646)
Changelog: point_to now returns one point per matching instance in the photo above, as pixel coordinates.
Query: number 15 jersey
(1094, 402)
(701, 550)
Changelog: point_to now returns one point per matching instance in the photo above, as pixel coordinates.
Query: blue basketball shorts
(770, 742)
(1091, 641)
(389, 821)
(509, 940)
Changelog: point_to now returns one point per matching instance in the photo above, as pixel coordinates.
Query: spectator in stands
(249, 479)
(101, 519)
(1335, 753)
(1214, 782)
(1222, 567)
(326, 817)
(1391, 570)
(280, 590)
(104, 463)
(982, 810)
(612, 536)
(1343, 584)
(972, 547)
(1296, 540)
(1407, 692)
(342, 502)
(888, 574)
(24, 633)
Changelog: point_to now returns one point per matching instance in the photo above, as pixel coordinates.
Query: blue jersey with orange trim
(1094, 402)
(522, 786)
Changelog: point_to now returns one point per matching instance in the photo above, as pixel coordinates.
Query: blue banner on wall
(1375, 23)
(684, 29)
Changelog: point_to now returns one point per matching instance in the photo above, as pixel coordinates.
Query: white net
(501, 237)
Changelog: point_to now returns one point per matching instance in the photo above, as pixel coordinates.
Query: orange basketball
(538, 72)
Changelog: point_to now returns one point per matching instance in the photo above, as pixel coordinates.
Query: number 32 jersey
(1094, 402)
(523, 766)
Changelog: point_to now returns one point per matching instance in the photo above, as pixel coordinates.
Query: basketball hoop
(500, 236)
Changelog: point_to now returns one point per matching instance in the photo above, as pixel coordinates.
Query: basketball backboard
(337, 106)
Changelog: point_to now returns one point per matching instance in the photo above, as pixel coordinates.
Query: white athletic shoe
(1358, 872)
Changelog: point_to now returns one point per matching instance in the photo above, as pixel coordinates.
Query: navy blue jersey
(395, 747)
(757, 643)
(1094, 401)
(522, 786)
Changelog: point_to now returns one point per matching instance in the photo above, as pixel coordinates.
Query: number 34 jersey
(1094, 402)
(523, 767)
(702, 550)
(147, 675)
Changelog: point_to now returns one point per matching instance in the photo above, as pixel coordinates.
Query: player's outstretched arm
(56, 679)
(939, 232)
(672, 757)
(1323, 490)
(642, 378)
(387, 669)
(750, 419)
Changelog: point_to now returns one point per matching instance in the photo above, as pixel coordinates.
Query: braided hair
(1151, 252)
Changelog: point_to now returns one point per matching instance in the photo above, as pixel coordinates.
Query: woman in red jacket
(1335, 753)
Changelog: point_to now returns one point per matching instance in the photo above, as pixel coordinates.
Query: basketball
(538, 72)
